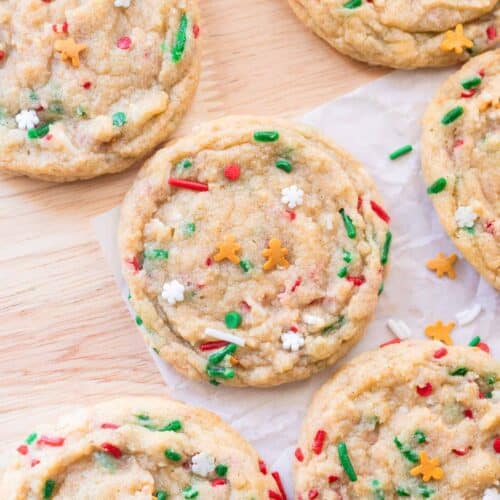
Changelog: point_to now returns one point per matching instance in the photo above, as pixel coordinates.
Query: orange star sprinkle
(442, 265)
(70, 50)
(275, 255)
(456, 40)
(428, 467)
(441, 332)
(228, 250)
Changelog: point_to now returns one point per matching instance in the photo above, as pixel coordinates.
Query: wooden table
(66, 338)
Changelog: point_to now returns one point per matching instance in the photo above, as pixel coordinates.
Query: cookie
(90, 86)
(411, 420)
(254, 251)
(402, 33)
(460, 160)
(141, 448)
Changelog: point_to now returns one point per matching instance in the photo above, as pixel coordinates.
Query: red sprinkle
(491, 32)
(294, 329)
(51, 441)
(2, 54)
(218, 482)
(332, 479)
(291, 214)
(390, 342)
(380, 211)
(196, 30)
(279, 484)
(496, 444)
(262, 466)
(245, 306)
(297, 283)
(193, 185)
(124, 43)
(313, 494)
(460, 453)
(107, 425)
(210, 346)
(112, 450)
(468, 94)
(426, 390)
(319, 441)
(299, 455)
(87, 85)
(481, 73)
(468, 413)
(34, 462)
(458, 143)
(360, 203)
(23, 449)
(356, 280)
(273, 495)
(441, 352)
(489, 227)
(48, 137)
(232, 172)
(208, 262)
(134, 263)
(484, 347)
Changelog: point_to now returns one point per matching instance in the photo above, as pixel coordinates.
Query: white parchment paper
(370, 123)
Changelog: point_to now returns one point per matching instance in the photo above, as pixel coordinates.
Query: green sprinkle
(33, 96)
(172, 455)
(214, 382)
(345, 461)
(119, 119)
(221, 470)
(232, 319)
(420, 436)
(216, 358)
(402, 492)
(406, 451)
(105, 460)
(56, 107)
(31, 438)
(349, 226)
(142, 417)
(437, 186)
(284, 165)
(401, 151)
(339, 322)
(38, 133)
(488, 395)
(138, 320)
(491, 378)
(342, 273)
(186, 163)
(190, 228)
(347, 256)
(80, 112)
(246, 265)
(475, 341)
(385, 249)
(460, 371)
(48, 488)
(161, 495)
(377, 492)
(180, 40)
(220, 372)
(266, 136)
(452, 115)
(471, 82)
(352, 4)
(190, 492)
(156, 253)
(425, 491)
(174, 426)
(381, 289)
(470, 230)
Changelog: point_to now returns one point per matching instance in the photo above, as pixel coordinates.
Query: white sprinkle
(122, 3)
(217, 334)
(327, 220)
(292, 196)
(173, 292)
(468, 315)
(491, 494)
(27, 119)
(202, 464)
(292, 341)
(399, 328)
(310, 319)
(495, 396)
(465, 217)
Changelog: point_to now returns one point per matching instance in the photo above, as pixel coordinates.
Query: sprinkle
(275, 255)
(452, 115)
(216, 358)
(459, 372)
(196, 30)
(228, 249)
(266, 136)
(221, 470)
(124, 43)
(112, 450)
(471, 82)
(292, 196)
(342, 273)
(22, 449)
(496, 445)
(311, 319)
(48, 488)
(232, 172)
(279, 484)
(424, 391)
(2, 55)
(228, 337)
(380, 211)
(185, 184)
(262, 466)
(332, 479)
(456, 40)
(468, 94)
(402, 492)
(218, 482)
(429, 468)
(484, 347)
(34, 462)
(313, 494)
(356, 280)
(296, 284)
(406, 451)
(291, 214)
(232, 319)
(69, 50)
(425, 491)
(87, 85)
(220, 372)
(468, 413)
(440, 332)
(378, 493)
(273, 495)
(246, 265)
(284, 165)
(401, 151)
(441, 265)
(385, 249)
(50, 441)
(134, 263)
(173, 426)
(346, 256)
(349, 226)
(475, 341)
(119, 119)
(190, 492)
(352, 4)
(40, 132)
(319, 441)
(172, 455)
(125, 4)
(437, 186)
(189, 228)
(185, 163)
(155, 253)
(292, 341)
(491, 33)
(202, 464)
(27, 119)
(180, 40)
(345, 461)
(460, 453)
(161, 494)
(336, 325)
(399, 328)
(299, 455)
(420, 437)
(465, 217)
(390, 342)
(173, 292)
(31, 438)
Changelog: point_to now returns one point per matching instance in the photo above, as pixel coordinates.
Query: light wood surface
(65, 336)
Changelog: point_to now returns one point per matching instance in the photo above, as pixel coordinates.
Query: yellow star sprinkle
(275, 255)
(69, 50)
(456, 40)
(442, 265)
(428, 467)
(228, 250)
(441, 332)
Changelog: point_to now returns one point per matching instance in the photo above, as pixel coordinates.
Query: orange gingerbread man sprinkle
(442, 265)
(69, 50)
(428, 467)
(228, 250)
(456, 40)
(441, 332)
(275, 255)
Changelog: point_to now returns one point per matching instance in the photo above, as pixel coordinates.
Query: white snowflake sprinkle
(399, 328)
(202, 464)
(292, 196)
(468, 315)
(465, 216)
(173, 292)
(27, 119)
(122, 3)
(292, 341)
(491, 494)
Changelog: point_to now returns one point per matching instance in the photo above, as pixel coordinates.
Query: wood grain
(65, 336)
